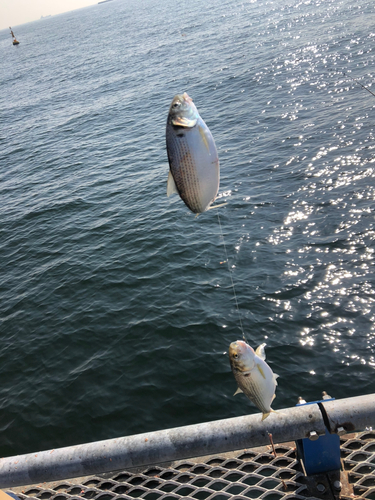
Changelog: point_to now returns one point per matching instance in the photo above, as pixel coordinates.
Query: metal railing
(289, 424)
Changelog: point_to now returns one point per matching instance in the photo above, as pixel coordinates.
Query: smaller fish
(253, 375)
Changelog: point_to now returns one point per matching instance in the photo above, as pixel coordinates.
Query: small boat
(15, 41)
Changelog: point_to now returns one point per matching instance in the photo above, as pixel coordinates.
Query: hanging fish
(194, 164)
(253, 375)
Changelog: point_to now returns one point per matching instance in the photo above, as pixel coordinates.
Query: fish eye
(235, 356)
(176, 105)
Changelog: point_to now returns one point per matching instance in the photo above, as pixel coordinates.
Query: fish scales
(192, 156)
(250, 387)
(185, 175)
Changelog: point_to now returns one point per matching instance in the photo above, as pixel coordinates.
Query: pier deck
(241, 475)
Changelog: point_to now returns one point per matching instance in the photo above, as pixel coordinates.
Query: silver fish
(253, 375)
(194, 164)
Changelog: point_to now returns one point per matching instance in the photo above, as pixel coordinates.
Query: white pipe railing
(289, 424)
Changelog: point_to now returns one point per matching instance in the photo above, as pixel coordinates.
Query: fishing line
(230, 274)
(352, 78)
(359, 83)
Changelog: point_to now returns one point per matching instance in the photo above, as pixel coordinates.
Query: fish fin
(217, 206)
(238, 391)
(171, 185)
(275, 376)
(265, 415)
(261, 371)
(261, 352)
(203, 135)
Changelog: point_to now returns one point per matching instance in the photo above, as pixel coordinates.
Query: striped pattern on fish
(193, 160)
(253, 375)
(184, 173)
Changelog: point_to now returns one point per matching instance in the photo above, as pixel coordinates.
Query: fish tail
(265, 415)
(217, 206)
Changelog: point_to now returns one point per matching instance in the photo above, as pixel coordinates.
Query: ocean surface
(116, 304)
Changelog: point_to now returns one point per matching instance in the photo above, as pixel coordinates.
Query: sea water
(116, 305)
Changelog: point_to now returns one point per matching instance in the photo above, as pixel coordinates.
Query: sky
(15, 12)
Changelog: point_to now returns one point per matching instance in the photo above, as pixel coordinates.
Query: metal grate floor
(240, 475)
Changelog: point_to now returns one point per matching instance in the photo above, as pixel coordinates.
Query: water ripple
(116, 303)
